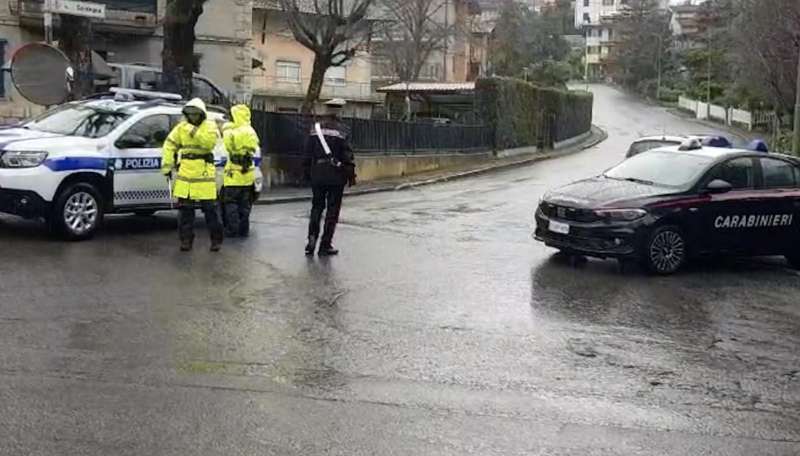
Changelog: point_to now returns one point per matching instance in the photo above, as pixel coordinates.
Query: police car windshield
(664, 169)
(78, 120)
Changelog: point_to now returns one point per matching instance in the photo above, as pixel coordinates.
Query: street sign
(75, 8)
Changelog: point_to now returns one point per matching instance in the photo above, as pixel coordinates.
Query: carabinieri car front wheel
(665, 251)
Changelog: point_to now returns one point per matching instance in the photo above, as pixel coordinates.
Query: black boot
(216, 245)
(326, 247)
(328, 250)
(311, 246)
(186, 245)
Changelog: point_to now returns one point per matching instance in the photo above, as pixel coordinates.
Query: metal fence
(285, 134)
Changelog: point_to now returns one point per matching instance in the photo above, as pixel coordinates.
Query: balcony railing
(128, 16)
(351, 91)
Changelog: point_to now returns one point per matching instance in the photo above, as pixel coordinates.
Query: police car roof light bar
(128, 94)
(691, 144)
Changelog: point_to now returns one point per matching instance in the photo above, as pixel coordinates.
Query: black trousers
(186, 213)
(237, 203)
(328, 199)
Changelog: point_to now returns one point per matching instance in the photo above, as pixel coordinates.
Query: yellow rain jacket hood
(241, 144)
(190, 149)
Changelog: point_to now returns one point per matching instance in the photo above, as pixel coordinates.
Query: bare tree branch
(331, 33)
(414, 30)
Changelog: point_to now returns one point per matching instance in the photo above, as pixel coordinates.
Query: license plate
(558, 227)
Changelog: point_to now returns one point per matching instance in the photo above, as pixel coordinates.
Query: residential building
(282, 69)
(686, 24)
(462, 57)
(541, 5)
(597, 20)
(131, 32)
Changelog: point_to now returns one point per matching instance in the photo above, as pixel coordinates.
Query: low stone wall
(287, 170)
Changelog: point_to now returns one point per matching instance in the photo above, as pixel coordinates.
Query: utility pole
(708, 83)
(660, 50)
(446, 39)
(48, 21)
(796, 142)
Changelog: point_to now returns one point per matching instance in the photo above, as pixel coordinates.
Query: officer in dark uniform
(330, 166)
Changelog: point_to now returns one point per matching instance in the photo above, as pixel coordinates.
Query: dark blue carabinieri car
(668, 205)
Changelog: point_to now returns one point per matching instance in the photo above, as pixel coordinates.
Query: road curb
(598, 136)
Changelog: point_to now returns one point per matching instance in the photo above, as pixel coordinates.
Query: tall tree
(524, 41)
(413, 30)
(76, 42)
(334, 30)
(766, 49)
(177, 56)
(643, 31)
(506, 48)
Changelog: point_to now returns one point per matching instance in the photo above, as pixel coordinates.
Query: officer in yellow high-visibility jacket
(190, 149)
(241, 143)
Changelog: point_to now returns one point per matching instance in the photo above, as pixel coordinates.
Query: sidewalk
(743, 135)
(672, 108)
(282, 195)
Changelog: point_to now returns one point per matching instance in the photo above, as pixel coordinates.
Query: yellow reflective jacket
(191, 149)
(241, 142)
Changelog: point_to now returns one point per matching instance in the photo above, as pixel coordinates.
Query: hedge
(523, 114)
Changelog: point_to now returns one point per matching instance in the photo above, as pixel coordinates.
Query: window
(147, 80)
(336, 75)
(78, 120)
(152, 130)
(610, 34)
(594, 49)
(586, 18)
(586, 3)
(739, 173)
(430, 72)
(287, 71)
(206, 92)
(608, 2)
(778, 173)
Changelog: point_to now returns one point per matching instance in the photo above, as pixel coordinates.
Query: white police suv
(79, 161)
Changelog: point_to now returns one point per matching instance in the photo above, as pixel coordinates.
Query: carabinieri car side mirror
(718, 186)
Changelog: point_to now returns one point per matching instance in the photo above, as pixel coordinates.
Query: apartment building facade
(282, 69)
(131, 32)
(687, 24)
(462, 57)
(597, 20)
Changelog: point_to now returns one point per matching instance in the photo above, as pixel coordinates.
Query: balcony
(350, 91)
(133, 17)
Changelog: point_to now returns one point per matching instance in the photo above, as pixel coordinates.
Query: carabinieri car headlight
(626, 215)
(22, 159)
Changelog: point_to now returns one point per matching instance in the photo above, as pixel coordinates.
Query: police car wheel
(665, 251)
(78, 212)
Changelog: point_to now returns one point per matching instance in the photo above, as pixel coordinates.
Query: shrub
(524, 114)
(670, 95)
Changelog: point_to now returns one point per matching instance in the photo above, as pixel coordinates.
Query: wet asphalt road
(442, 329)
